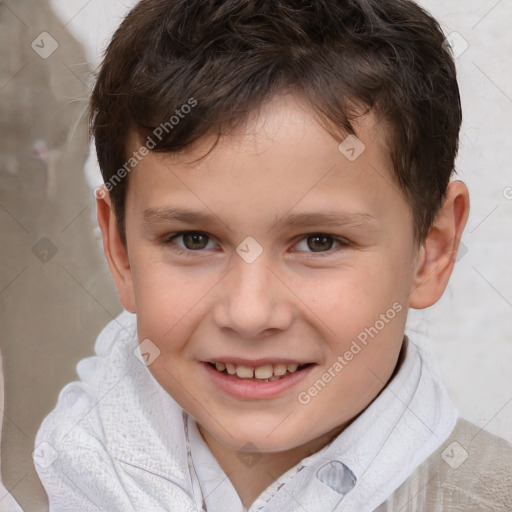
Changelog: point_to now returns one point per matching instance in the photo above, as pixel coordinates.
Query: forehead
(281, 160)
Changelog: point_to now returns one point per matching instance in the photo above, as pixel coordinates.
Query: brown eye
(320, 243)
(195, 241)
(191, 240)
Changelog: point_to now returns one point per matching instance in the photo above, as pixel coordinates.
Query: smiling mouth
(266, 373)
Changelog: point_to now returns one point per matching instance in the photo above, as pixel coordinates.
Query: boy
(277, 196)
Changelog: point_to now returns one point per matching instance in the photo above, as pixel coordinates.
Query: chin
(262, 439)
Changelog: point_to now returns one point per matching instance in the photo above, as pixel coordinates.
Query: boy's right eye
(192, 240)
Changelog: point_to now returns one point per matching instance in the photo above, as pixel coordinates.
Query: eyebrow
(328, 219)
(305, 219)
(170, 214)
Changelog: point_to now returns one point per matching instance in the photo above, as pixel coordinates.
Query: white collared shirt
(118, 442)
(407, 422)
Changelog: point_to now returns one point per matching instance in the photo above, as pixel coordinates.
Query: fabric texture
(470, 472)
(117, 441)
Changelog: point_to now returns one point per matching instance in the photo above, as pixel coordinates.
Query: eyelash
(190, 252)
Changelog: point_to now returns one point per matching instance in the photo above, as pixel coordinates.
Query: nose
(253, 301)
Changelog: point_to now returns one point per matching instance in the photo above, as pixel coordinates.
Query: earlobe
(437, 255)
(116, 252)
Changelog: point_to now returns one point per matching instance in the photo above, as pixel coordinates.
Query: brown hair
(225, 58)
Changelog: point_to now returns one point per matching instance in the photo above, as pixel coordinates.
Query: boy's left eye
(320, 242)
(314, 242)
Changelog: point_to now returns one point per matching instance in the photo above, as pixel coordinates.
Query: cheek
(350, 299)
(364, 319)
(363, 315)
(166, 297)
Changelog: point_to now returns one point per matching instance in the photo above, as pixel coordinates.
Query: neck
(252, 472)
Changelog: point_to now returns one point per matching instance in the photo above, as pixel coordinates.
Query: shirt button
(337, 477)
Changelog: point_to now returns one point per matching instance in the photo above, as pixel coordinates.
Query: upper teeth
(260, 372)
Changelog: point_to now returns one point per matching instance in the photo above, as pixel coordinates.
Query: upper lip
(255, 362)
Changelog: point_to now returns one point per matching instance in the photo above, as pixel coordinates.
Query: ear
(439, 249)
(115, 250)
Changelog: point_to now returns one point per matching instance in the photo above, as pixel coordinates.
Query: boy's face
(305, 299)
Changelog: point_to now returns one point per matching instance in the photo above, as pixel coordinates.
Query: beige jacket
(470, 472)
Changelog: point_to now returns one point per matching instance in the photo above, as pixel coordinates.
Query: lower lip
(252, 390)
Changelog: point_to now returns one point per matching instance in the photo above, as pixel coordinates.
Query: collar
(410, 418)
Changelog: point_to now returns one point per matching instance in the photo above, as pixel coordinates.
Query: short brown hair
(230, 56)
